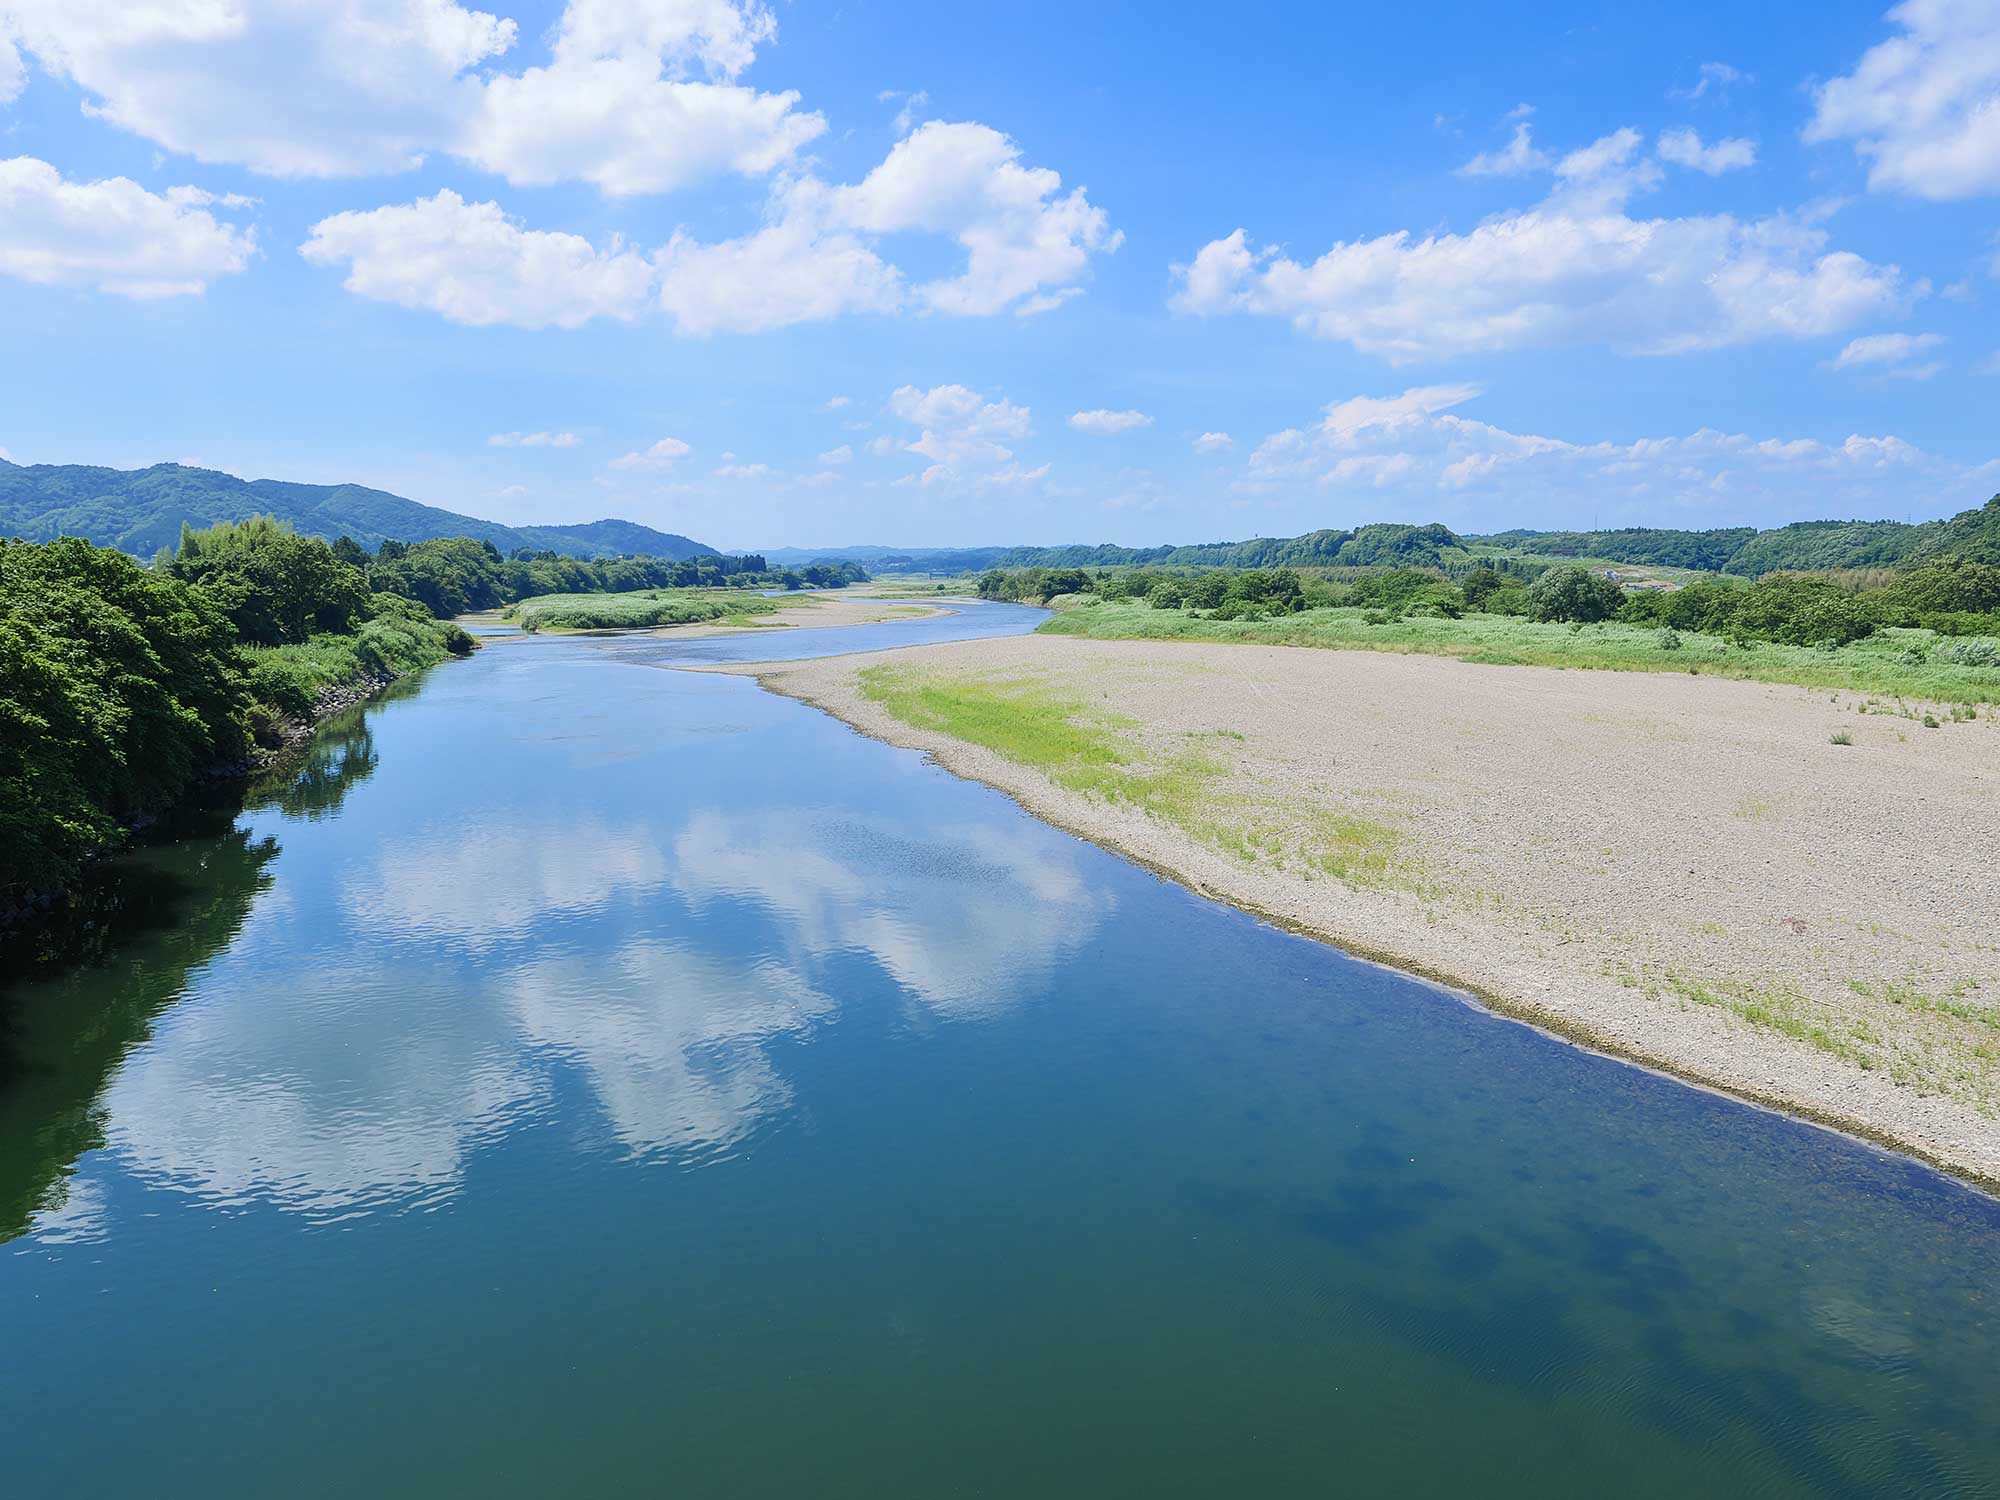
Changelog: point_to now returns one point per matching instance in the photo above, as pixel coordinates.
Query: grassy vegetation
(402, 637)
(1099, 754)
(638, 611)
(1886, 664)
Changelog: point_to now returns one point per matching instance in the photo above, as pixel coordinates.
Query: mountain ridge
(141, 510)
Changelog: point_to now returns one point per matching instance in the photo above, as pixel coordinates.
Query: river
(591, 1078)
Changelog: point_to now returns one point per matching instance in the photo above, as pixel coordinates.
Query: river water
(584, 1077)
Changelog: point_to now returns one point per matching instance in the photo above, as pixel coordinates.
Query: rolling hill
(141, 510)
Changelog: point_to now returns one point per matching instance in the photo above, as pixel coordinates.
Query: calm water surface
(583, 1077)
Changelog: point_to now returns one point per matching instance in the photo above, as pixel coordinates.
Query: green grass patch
(1096, 753)
(402, 638)
(1886, 663)
(638, 611)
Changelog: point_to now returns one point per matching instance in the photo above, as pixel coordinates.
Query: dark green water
(594, 1079)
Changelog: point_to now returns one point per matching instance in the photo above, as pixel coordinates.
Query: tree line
(1951, 595)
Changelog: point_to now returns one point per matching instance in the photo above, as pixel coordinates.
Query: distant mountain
(141, 510)
(891, 559)
(1380, 544)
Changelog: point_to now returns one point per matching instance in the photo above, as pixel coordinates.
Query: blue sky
(814, 273)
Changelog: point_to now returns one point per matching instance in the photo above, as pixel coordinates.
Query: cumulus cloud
(1577, 268)
(963, 435)
(799, 268)
(1684, 148)
(835, 403)
(533, 440)
(1413, 452)
(348, 87)
(1026, 245)
(473, 264)
(743, 471)
(1106, 423)
(608, 111)
(1923, 108)
(661, 454)
(290, 89)
(1891, 354)
(1214, 442)
(841, 455)
(113, 234)
(1519, 155)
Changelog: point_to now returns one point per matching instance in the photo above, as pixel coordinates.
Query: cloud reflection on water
(364, 1069)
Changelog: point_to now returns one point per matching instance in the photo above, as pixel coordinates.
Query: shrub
(1668, 639)
(1973, 653)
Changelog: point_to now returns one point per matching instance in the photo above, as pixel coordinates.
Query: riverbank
(42, 928)
(1761, 888)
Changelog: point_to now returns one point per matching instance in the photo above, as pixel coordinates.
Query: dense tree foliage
(451, 575)
(1574, 595)
(1812, 546)
(276, 586)
(1370, 546)
(1972, 536)
(1643, 546)
(117, 686)
(120, 684)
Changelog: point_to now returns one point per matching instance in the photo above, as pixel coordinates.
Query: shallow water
(586, 1077)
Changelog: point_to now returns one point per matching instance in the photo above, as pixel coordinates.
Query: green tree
(1574, 595)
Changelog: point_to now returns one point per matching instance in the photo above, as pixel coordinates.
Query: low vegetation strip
(1777, 890)
(1916, 665)
(636, 611)
(1103, 755)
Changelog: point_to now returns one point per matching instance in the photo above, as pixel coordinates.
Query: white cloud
(1108, 423)
(13, 72)
(796, 269)
(835, 403)
(841, 455)
(1214, 442)
(815, 258)
(322, 88)
(964, 436)
(744, 471)
(1575, 269)
(284, 87)
(1520, 155)
(472, 264)
(662, 453)
(1684, 148)
(533, 440)
(1412, 454)
(113, 234)
(1892, 353)
(1025, 247)
(618, 122)
(1714, 75)
(1923, 108)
